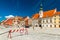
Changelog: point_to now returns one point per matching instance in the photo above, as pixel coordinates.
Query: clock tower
(41, 15)
(41, 11)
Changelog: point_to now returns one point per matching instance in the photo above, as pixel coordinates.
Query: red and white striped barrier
(21, 30)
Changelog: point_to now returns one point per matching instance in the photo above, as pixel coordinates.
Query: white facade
(51, 21)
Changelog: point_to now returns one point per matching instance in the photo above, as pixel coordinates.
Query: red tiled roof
(49, 13)
(57, 13)
(35, 16)
(9, 21)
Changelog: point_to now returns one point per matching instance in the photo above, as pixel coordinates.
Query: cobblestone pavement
(35, 34)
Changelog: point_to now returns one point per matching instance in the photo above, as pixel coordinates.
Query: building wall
(35, 22)
(22, 23)
(51, 21)
(46, 22)
(30, 22)
(56, 20)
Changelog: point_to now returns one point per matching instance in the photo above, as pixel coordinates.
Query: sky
(26, 7)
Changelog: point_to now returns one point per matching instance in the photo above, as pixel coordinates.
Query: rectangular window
(43, 21)
(54, 18)
(47, 21)
(59, 21)
(50, 20)
(54, 21)
(54, 25)
(59, 26)
(59, 15)
(50, 25)
(59, 18)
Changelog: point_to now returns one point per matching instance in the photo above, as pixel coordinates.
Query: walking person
(26, 24)
(26, 29)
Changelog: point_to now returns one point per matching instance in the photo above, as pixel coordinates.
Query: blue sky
(26, 7)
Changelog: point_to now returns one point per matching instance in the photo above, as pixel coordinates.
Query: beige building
(35, 20)
(16, 21)
(30, 21)
(35, 23)
(49, 18)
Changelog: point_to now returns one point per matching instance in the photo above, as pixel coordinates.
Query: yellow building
(56, 19)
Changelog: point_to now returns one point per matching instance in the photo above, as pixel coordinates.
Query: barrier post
(21, 31)
(9, 34)
(26, 30)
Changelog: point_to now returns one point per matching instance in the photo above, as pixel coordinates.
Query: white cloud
(9, 16)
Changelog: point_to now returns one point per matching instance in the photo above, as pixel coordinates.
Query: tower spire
(41, 11)
(41, 8)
